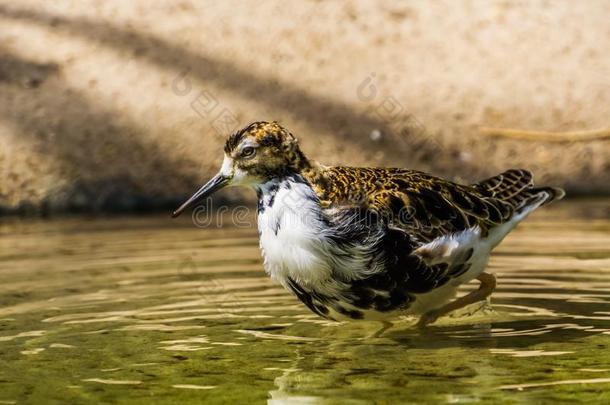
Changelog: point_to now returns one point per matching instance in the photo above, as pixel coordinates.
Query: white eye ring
(248, 152)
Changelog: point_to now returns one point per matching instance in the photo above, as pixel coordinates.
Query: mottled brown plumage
(423, 205)
(358, 241)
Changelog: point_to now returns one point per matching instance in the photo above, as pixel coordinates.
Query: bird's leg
(488, 285)
(385, 325)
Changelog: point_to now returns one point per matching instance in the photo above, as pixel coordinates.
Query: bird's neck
(299, 169)
(293, 189)
(314, 173)
(311, 170)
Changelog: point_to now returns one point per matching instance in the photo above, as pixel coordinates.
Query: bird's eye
(248, 152)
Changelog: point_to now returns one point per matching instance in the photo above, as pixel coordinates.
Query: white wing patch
(449, 248)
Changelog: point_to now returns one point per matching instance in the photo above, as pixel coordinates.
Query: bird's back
(429, 207)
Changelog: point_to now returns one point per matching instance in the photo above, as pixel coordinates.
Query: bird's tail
(537, 197)
(516, 187)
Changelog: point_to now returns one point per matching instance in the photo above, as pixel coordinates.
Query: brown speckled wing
(507, 186)
(516, 188)
(423, 205)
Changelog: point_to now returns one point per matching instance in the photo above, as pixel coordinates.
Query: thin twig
(571, 136)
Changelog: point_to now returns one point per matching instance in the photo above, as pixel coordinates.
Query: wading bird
(371, 243)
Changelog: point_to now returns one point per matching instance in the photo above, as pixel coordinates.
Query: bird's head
(253, 155)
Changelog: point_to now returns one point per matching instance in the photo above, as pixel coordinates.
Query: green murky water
(134, 310)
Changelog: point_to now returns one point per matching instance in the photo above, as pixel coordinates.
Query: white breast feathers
(295, 239)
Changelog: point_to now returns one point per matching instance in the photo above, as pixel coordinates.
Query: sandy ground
(117, 105)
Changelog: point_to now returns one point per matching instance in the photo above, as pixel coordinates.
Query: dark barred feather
(425, 206)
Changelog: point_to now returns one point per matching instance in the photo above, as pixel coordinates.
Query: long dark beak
(216, 183)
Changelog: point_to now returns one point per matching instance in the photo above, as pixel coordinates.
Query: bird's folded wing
(507, 185)
(422, 205)
(429, 208)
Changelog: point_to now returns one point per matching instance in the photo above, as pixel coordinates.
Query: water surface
(141, 309)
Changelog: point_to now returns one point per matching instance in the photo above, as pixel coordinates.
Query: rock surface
(122, 105)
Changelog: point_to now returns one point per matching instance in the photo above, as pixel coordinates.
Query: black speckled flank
(404, 276)
(393, 288)
(352, 313)
(308, 299)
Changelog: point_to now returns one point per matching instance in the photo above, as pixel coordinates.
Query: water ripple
(171, 308)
